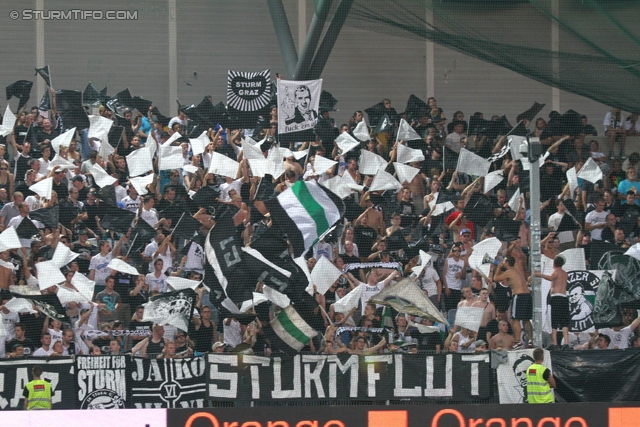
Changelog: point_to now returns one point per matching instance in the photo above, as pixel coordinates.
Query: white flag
(139, 162)
(98, 127)
(590, 171)
(140, 183)
(472, 164)
(43, 188)
(223, 165)
(199, 144)
(8, 122)
(170, 157)
(406, 132)
(514, 202)
(469, 317)
(323, 275)
(405, 173)
(361, 132)
(370, 163)
(346, 143)
(350, 300)
(100, 176)
(63, 140)
(322, 164)
(408, 155)
(492, 179)
(384, 181)
(118, 265)
(9, 239)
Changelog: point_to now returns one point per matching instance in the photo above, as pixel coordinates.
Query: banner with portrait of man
(298, 103)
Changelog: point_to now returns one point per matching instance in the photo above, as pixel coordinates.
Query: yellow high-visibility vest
(538, 389)
(39, 395)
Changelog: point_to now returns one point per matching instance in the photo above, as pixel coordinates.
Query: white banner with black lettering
(389, 376)
(298, 103)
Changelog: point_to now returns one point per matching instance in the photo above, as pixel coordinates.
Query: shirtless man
(374, 217)
(551, 245)
(417, 189)
(515, 251)
(560, 316)
(6, 270)
(521, 301)
(502, 340)
(469, 299)
(489, 312)
(291, 164)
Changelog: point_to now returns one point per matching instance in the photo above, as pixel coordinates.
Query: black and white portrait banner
(512, 375)
(248, 91)
(298, 103)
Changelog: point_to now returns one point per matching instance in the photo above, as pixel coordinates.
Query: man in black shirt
(21, 339)
(60, 184)
(363, 235)
(85, 249)
(46, 132)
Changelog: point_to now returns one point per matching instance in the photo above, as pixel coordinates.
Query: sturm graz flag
(173, 308)
(248, 91)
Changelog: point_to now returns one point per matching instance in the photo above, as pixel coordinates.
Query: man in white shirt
(98, 270)
(556, 218)
(157, 280)
(620, 336)
(46, 349)
(132, 201)
(373, 285)
(596, 220)
(161, 248)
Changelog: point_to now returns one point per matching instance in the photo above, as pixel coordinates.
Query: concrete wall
(214, 36)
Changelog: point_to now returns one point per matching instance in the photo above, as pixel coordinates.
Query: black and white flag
(48, 304)
(248, 91)
(298, 103)
(173, 308)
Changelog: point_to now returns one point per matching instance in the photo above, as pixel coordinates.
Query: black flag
(21, 90)
(45, 74)
(47, 216)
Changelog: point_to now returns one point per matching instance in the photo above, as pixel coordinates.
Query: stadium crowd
(375, 246)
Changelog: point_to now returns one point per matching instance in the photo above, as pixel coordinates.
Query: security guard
(37, 393)
(540, 380)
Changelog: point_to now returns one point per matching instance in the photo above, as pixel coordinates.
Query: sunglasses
(456, 250)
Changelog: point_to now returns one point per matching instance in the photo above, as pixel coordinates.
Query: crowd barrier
(108, 382)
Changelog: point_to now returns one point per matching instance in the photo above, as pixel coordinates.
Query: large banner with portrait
(512, 375)
(298, 103)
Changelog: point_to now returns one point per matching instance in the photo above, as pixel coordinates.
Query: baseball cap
(217, 345)
(465, 230)
(480, 343)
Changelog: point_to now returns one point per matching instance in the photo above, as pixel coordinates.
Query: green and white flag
(304, 213)
(292, 329)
